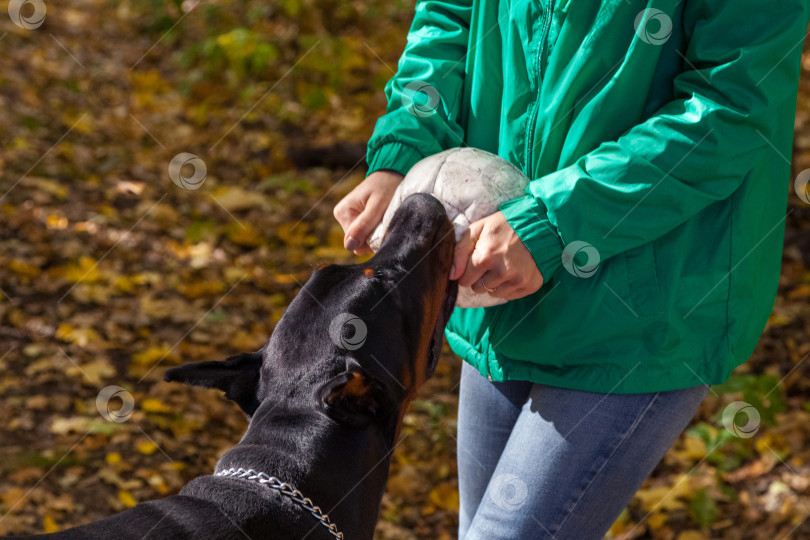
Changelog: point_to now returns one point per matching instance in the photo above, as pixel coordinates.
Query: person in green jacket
(642, 262)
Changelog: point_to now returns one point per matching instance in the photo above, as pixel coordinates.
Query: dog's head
(358, 340)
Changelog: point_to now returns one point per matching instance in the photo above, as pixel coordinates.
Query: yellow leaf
(329, 252)
(656, 520)
(44, 184)
(445, 496)
(123, 283)
(127, 499)
(244, 234)
(79, 336)
(779, 319)
(157, 482)
(692, 450)
(49, 525)
(12, 497)
(295, 234)
(155, 406)
(802, 291)
(691, 535)
(665, 498)
(155, 354)
(288, 279)
(85, 270)
(83, 123)
(242, 340)
(200, 253)
(89, 293)
(93, 372)
(200, 289)
(113, 458)
(770, 443)
(147, 447)
(56, 222)
(620, 525)
(23, 268)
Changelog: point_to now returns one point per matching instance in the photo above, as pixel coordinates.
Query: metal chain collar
(285, 489)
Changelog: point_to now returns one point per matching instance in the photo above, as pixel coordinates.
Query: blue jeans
(537, 462)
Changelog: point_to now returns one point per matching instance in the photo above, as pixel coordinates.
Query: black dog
(325, 398)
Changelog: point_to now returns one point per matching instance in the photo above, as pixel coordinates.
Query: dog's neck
(342, 470)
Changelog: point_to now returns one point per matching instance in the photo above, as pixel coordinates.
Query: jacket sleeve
(424, 96)
(741, 62)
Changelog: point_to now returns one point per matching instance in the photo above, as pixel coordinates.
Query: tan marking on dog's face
(368, 272)
(356, 386)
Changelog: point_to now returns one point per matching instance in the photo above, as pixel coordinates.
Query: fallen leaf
(445, 496)
(126, 498)
(147, 447)
(49, 525)
(12, 497)
(154, 405)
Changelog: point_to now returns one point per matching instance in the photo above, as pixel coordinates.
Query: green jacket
(657, 135)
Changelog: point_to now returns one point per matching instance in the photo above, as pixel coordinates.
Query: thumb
(461, 255)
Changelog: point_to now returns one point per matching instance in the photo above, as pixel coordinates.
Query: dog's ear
(238, 377)
(353, 398)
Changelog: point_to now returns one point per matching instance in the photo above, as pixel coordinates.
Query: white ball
(471, 184)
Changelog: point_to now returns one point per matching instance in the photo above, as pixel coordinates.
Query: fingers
(359, 219)
(468, 269)
(509, 289)
(461, 255)
(362, 227)
(489, 283)
(485, 267)
(359, 212)
(347, 210)
(491, 259)
(518, 287)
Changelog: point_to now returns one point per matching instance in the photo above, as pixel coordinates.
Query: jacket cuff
(529, 219)
(396, 156)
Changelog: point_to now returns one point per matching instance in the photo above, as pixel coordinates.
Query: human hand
(490, 257)
(363, 208)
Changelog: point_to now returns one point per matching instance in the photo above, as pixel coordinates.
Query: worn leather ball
(471, 184)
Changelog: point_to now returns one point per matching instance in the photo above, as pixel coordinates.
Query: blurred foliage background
(109, 273)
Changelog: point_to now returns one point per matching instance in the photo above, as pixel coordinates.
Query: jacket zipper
(543, 41)
(496, 319)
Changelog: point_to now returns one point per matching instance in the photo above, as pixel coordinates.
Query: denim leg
(575, 459)
(486, 413)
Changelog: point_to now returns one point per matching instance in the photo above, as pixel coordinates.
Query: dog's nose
(420, 217)
(420, 235)
(420, 227)
(423, 203)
